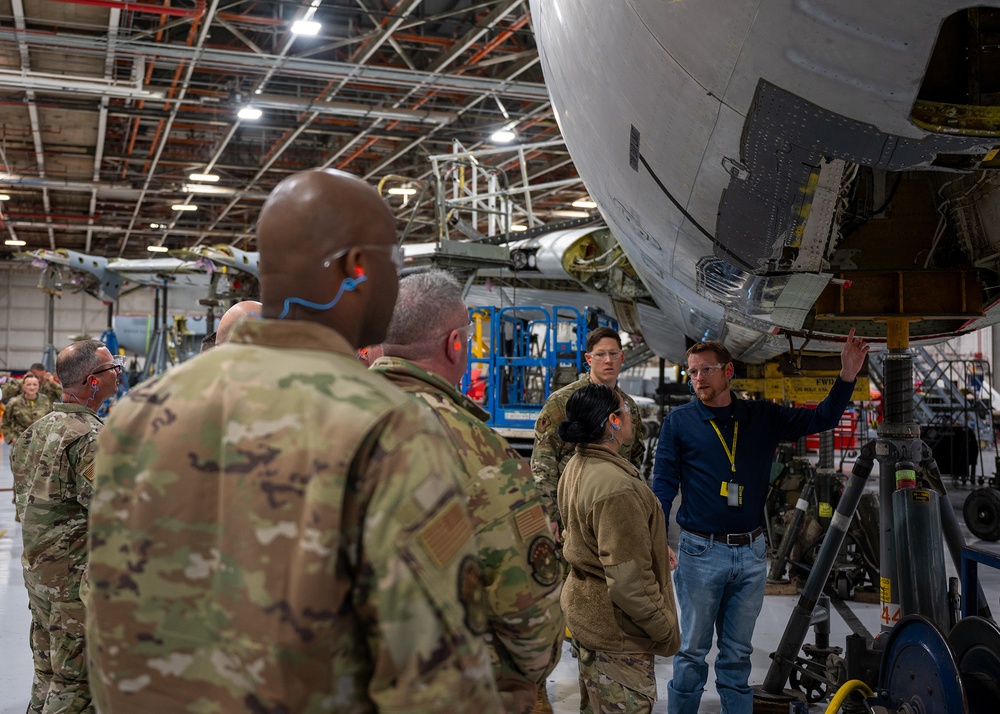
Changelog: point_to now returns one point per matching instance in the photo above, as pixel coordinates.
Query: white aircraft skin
(721, 139)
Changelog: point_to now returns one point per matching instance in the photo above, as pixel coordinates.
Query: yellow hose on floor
(845, 691)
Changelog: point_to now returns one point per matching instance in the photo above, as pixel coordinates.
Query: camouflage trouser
(612, 683)
(59, 653)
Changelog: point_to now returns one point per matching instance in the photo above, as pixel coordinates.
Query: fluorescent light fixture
(156, 225)
(183, 207)
(14, 242)
(571, 214)
(157, 248)
(250, 113)
(207, 190)
(518, 228)
(351, 109)
(4, 197)
(504, 136)
(42, 81)
(306, 27)
(402, 191)
(584, 203)
(209, 178)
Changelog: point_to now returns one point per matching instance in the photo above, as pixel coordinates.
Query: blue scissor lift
(523, 354)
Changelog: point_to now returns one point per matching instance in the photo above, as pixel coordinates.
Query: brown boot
(542, 705)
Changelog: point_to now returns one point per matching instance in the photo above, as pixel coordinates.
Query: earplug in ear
(93, 382)
(458, 345)
(359, 272)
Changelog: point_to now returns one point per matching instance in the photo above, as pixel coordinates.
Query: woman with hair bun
(618, 598)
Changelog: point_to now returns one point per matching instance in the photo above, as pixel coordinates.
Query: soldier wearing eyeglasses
(718, 451)
(53, 467)
(606, 358)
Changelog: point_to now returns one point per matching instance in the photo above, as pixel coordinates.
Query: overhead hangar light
(401, 191)
(251, 113)
(4, 197)
(14, 242)
(183, 207)
(584, 203)
(504, 136)
(207, 178)
(571, 214)
(207, 190)
(306, 27)
(518, 227)
(157, 248)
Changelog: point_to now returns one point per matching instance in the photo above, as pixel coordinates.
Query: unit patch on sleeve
(545, 568)
(472, 594)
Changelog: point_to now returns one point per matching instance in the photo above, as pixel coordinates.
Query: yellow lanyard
(730, 454)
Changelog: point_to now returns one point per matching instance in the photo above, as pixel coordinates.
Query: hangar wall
(24, 309)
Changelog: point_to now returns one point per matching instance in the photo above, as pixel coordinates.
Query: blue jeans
(721, 588)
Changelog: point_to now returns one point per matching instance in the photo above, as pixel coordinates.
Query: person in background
(278, 529)
(53, 463)
(244, 310)
(21, 412)
(249, 309)
(618, 597)
(718, 451)
(49, 386)
(550, 453)
(516, 549)
(368, 355)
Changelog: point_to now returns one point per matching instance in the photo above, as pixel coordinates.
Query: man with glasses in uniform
(53, 466)
(718, 451)
(516, 548)
(550, 453)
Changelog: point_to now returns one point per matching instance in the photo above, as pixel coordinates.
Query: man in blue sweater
(719, 449)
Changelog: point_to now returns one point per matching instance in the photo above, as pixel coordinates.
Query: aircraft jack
(912, 665)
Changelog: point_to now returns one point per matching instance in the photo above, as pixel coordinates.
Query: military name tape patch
(545, 568)
(472, 594)
(447, 532)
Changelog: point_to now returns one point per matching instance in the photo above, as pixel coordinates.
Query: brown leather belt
(730, 538)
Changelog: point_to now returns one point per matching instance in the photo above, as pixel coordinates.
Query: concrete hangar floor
(16, 669)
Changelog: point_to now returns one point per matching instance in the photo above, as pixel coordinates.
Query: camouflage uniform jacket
(53, 460)
(20, 413)
(12, 388)
(278, 530)
(515, 541)
(550, 453)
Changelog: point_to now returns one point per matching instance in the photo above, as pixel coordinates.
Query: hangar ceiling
(108, 107)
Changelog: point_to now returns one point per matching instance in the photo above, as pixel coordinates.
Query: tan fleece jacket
(618, 596)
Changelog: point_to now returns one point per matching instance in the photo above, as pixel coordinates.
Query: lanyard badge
(730, 489)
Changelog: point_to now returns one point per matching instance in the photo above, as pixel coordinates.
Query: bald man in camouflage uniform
(550, 453)
(516, 547)
(278, 529)
(53, 463)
